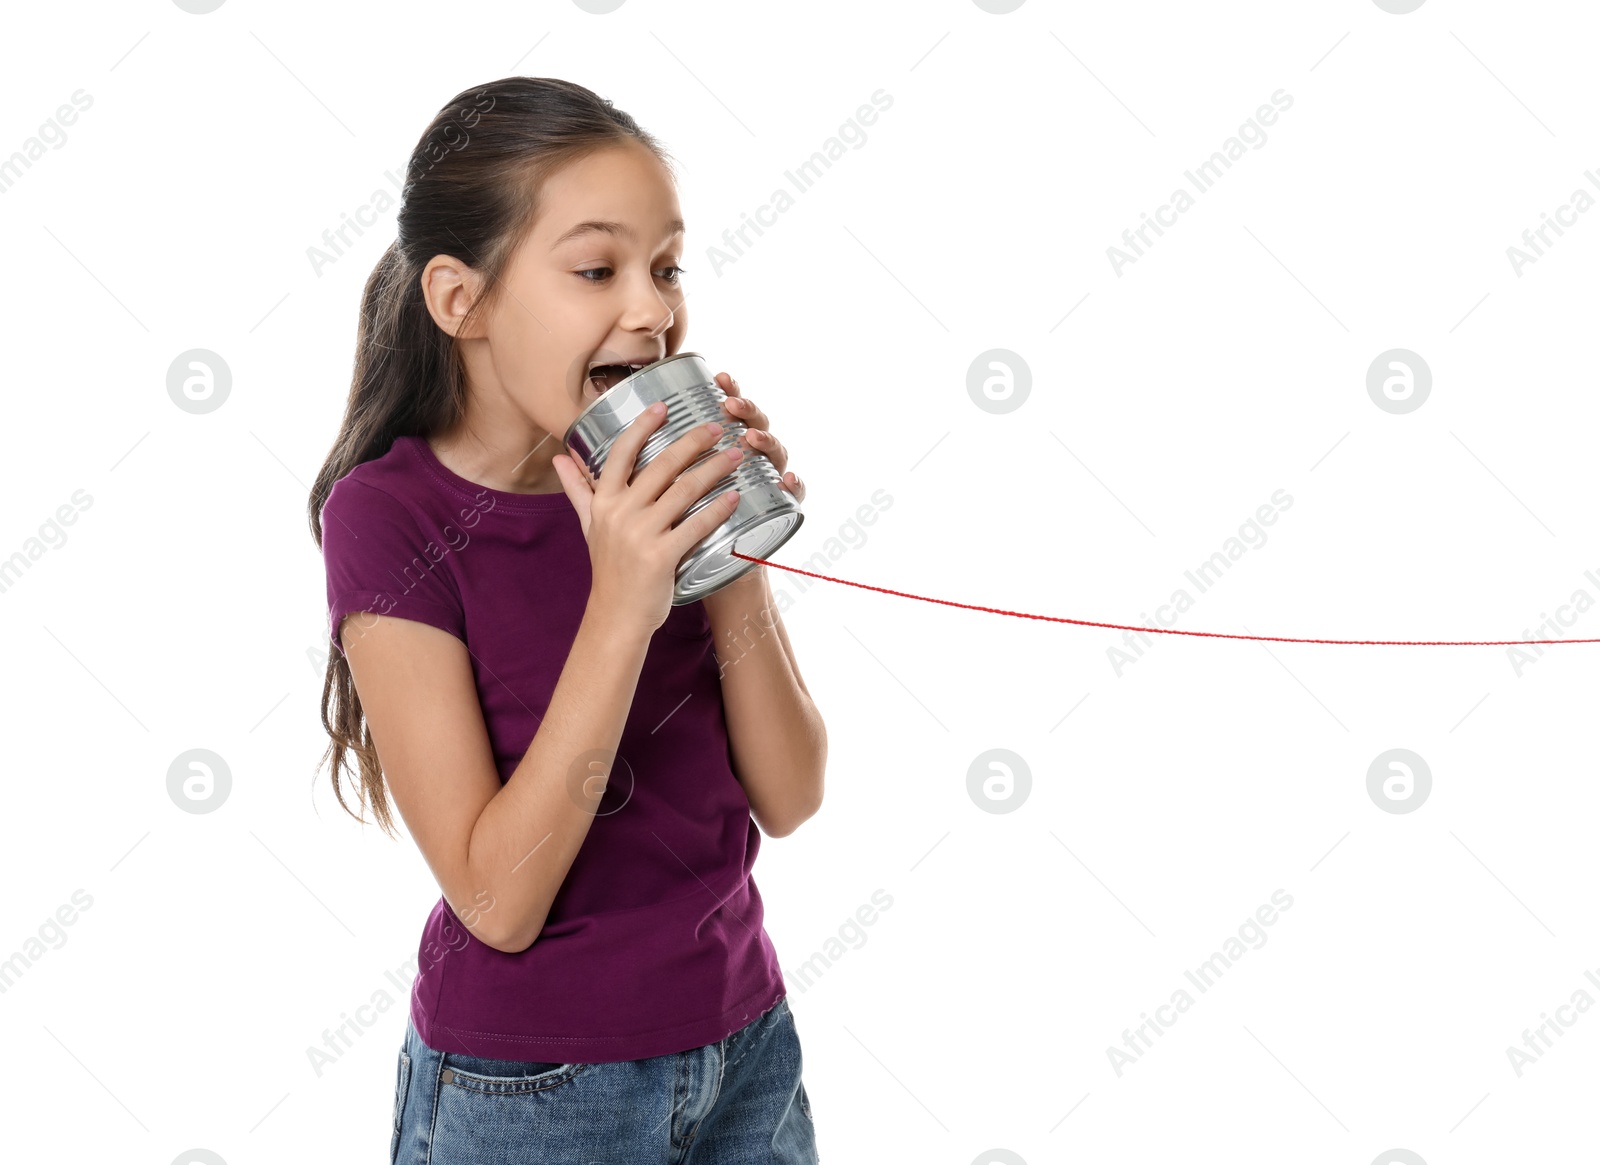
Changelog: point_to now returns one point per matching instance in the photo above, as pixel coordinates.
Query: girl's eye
(676, 273)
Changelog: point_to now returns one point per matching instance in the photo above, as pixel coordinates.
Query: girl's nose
(646, 307)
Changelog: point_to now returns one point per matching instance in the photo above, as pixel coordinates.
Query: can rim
(566, 438)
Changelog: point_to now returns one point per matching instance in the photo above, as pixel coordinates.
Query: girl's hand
(634, 549)
(758, 439)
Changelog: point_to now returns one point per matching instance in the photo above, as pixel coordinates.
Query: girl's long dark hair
(471, 192)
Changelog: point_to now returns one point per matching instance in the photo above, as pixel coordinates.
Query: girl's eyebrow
(602, 226)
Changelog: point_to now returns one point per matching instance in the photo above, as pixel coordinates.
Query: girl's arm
(499, 853)
(778, 742)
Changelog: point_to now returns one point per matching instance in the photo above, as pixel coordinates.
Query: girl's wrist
(742, 591)
(615, 625)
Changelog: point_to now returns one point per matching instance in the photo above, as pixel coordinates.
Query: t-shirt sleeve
(378, 560)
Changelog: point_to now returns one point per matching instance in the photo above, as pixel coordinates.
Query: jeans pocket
(402, 1082)
(505, 1077)
(495, 1112)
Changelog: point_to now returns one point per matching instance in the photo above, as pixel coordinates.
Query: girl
(582, 764)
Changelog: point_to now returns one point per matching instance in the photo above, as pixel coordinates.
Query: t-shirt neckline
(471, 491)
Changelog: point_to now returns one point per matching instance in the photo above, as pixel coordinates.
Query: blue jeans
(738, 1101)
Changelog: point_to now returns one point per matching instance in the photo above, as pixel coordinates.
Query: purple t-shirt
(654, 943)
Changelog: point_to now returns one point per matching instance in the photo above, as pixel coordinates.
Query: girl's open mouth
(603, 377)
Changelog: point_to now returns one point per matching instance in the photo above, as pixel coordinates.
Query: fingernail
(713, 427)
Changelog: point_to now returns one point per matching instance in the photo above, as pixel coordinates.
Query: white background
(186, 606)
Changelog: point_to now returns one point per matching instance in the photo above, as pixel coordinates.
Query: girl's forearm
(527, 837)
(776, 736)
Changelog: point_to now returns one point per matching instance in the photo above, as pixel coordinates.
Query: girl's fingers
(744, 410)
(741, 408)
(576, 486)
(624, 454)
(769, 447)
(692, 531)
(757, 437)
(753, 418)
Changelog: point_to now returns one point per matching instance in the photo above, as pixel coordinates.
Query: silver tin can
(767, 514)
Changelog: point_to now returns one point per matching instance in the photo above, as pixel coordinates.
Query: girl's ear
(449, 288)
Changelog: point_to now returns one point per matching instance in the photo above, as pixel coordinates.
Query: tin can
(767, 515)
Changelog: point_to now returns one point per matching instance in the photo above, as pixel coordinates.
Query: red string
(1175, 631)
